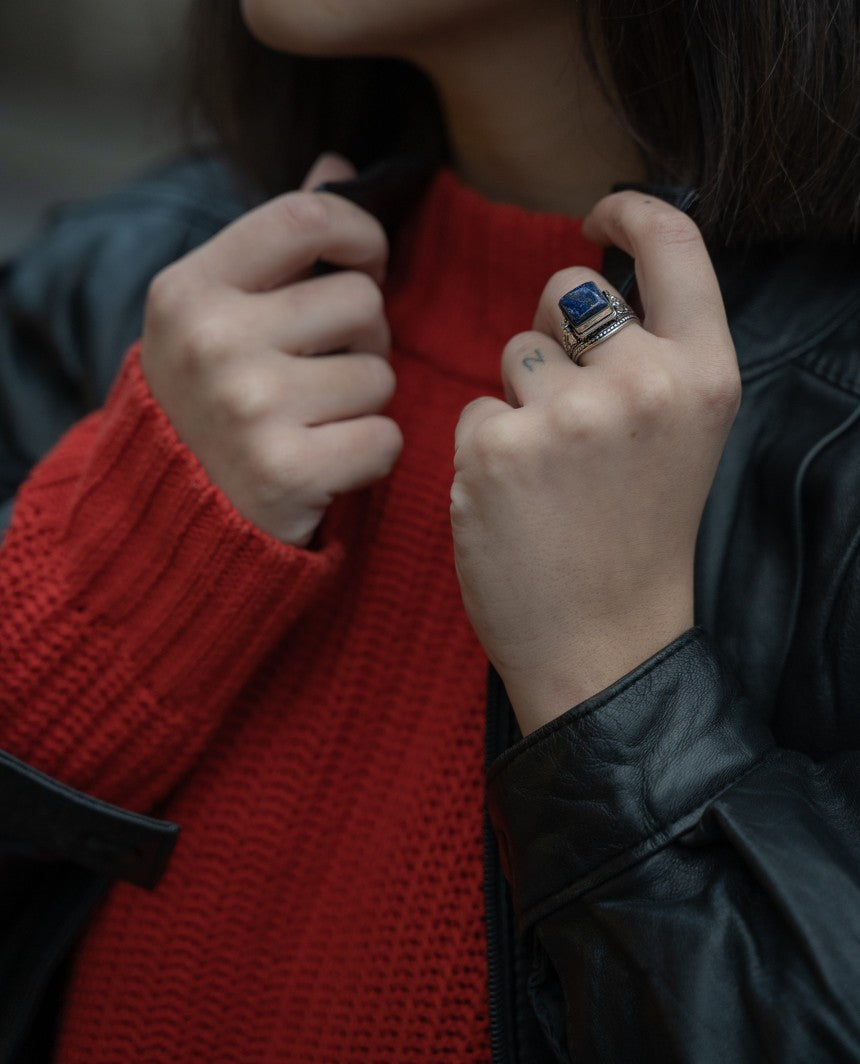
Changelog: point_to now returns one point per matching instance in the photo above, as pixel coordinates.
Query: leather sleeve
(688, 891)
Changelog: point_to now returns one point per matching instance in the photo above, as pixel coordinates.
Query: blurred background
(87, 98)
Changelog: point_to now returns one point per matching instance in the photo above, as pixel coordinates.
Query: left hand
(575, 505)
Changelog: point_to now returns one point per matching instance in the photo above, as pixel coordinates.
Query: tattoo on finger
(530, 361)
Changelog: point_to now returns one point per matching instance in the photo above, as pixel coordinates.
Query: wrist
(583, 667)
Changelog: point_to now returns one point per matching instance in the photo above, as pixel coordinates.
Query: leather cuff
(621, 775)
(44, 820)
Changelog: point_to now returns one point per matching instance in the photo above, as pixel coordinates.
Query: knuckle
(721, 394)
(650, 392)
(382, 339)
(380, 241)
(277, 466)
(374, 233)
(165, 298)
(570, 416)
(459, 498)
(204, 342)
(494, 443)
(670, 227)
(381, 376)
(519, 347)
(388, 439)
(299, 299)
(241, 400)
(363, 292)
(521, 344)
(303, 212)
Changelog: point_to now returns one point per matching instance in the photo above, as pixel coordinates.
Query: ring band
(590, 316)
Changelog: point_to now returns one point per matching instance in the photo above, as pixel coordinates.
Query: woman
(232, 595)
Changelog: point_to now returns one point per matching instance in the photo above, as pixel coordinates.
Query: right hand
(230, 337)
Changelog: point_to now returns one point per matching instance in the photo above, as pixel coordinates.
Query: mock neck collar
(466, 274)
(390, 188)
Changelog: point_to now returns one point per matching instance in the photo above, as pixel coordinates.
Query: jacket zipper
(501, 987)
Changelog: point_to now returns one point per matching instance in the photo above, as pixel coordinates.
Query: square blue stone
(582, 303)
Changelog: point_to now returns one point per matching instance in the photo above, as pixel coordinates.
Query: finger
(680, 295)
(474, 413)
(534, 366)
(270, 387)
(548, 317)
(337, 312)
(281, 240)
(329, 167)
(338, 387)
(354, 454)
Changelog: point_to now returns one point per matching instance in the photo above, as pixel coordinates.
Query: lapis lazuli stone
(582, 303)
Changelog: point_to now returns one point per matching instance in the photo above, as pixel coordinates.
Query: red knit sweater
(313, 720)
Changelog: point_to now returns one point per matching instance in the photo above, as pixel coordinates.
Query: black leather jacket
(683, 849)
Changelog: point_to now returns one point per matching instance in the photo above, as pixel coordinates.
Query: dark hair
(274, 114)
(755, 103)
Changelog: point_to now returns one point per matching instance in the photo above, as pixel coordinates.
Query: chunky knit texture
(313, 719)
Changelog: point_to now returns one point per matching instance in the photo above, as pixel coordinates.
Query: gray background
(87, 90)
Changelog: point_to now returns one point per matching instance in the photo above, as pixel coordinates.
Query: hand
(575, 505)
(231, 350)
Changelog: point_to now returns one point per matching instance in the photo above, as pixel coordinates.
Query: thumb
(329, 167)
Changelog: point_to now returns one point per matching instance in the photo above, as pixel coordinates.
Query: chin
(304, 27)
(286, 27)
(332, 28)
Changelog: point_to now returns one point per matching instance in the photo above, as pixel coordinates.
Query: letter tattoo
(532, 360)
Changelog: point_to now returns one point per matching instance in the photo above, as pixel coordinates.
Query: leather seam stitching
(627, 859)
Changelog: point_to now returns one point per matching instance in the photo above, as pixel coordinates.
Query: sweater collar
(466, 274)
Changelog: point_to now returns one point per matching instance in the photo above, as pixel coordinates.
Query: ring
(590, 317)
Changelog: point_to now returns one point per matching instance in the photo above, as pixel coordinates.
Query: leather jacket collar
(801, 290)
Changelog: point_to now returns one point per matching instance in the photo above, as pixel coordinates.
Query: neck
(526, 121)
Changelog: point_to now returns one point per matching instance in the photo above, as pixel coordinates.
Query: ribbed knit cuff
(198, 591)
(620, 775)
(151, 601)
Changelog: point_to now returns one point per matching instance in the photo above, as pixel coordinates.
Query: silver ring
(590, 316)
